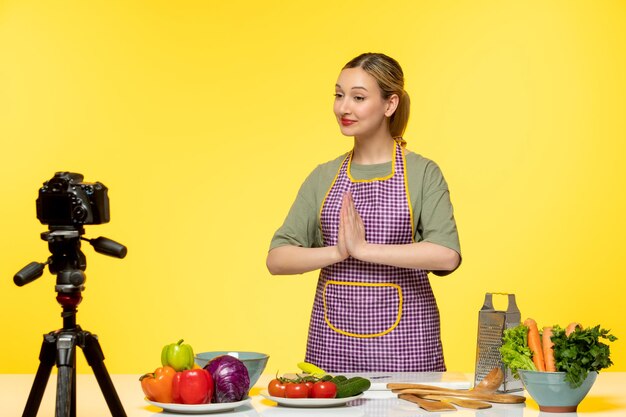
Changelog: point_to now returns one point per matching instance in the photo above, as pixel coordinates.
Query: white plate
(199, 408)
(309, 402)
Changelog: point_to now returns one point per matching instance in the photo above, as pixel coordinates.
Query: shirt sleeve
(436, 223)
(300, 227)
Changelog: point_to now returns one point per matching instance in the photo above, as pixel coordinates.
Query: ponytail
(400, 118)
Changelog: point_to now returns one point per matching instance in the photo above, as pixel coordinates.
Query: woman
(376, 221)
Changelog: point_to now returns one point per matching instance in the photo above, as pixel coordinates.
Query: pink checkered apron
(369, 317)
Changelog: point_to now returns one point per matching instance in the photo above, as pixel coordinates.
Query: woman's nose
(344, 106)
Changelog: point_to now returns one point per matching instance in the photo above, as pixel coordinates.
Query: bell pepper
(177, 355)
(194, 386)
(158, 385)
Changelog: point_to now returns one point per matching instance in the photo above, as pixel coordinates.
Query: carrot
(548, 349)
(534, 343)
(571, 327)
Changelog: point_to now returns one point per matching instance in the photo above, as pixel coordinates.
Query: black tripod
(59, 347)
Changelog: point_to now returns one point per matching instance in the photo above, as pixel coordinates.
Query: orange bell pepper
(158, 385)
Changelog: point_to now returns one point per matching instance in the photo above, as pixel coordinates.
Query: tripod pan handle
(109, 247)
(29, 273)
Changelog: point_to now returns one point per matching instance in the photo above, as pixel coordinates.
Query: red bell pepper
(193, 386)
(158, 385)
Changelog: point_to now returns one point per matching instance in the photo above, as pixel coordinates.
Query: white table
(607, 398)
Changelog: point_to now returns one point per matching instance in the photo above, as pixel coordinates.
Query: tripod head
(67, 260)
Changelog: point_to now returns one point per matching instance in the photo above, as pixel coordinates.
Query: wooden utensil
(465, 403)
(428, 405)
(476, 395)
(491, 382)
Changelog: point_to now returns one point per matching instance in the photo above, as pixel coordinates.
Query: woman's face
(359, 106)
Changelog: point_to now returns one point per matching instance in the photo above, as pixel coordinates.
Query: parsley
(581, 352)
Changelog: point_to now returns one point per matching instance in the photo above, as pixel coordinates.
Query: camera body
(65, 200)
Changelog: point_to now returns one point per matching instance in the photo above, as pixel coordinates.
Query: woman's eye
(359, 98)
(338, 95)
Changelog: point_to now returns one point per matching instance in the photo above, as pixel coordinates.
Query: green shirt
(433, 217)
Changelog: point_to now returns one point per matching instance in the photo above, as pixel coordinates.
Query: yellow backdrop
(204, 117)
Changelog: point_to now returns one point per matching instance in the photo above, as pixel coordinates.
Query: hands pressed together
(351, 239)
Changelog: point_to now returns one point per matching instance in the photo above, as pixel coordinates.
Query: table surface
(607, 398)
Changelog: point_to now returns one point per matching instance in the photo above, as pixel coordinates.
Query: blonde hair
(390, 79)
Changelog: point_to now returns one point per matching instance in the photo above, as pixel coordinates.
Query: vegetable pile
(315, 383)
(573, 350)
(180, 380)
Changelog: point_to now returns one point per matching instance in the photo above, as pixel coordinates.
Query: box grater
(491, 326)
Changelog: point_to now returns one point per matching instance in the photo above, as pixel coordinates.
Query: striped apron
(369, 317)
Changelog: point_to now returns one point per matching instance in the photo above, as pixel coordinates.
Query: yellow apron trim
(364, 284)
(408, 196)
(386, 177)
(330, 188)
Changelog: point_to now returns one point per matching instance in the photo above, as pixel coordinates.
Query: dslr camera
(65, 200)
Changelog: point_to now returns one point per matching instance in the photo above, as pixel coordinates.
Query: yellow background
(204, 117)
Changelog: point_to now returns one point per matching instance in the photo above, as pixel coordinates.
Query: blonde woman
(376, 221)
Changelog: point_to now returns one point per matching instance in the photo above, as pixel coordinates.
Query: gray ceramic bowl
(553, 393)
(255, 362)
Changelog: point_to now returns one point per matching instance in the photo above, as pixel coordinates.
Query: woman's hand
(342, 250)
(351, 237)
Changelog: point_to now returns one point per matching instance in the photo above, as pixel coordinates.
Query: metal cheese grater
(491, 326)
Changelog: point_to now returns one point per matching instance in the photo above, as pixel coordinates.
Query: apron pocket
(362, 309)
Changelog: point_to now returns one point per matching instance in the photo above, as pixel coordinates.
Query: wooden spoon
(477, 395)
(491, 382)
(428, 405)
(465, 403)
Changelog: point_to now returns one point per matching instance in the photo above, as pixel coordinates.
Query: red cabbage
(230, 377)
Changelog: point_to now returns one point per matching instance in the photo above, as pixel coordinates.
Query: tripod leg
(64, 392)
(66, 384)
(47, 355)
(95, 357)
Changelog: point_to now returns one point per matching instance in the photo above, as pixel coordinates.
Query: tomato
(324, 389)
(276, 388)
(309, 385)
(296, 390)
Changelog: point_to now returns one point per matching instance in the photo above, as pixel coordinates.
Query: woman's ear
(392, 105)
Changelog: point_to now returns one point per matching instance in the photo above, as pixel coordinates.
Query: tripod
(59, 347)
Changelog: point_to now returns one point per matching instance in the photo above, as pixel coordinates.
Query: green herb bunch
(581, 352)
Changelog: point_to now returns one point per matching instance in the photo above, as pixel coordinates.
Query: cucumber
(326, 377)
(338, 379)
(353, 386)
